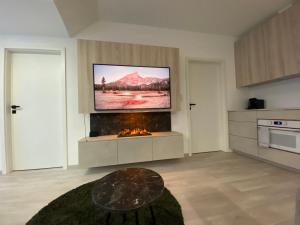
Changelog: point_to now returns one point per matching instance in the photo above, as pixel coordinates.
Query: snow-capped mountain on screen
(135, 80)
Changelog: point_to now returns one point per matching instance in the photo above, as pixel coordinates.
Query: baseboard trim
(267, 161)
(72, 167)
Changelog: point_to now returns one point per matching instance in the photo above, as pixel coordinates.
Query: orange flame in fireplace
(133, 132)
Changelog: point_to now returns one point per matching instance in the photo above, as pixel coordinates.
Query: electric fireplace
(134, 132)
(114, 123)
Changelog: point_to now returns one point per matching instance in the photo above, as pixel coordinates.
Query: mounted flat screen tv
(119, 87)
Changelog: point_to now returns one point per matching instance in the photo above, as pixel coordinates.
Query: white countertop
(268, 109)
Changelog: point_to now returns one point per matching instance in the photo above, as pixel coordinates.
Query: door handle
(192, 104)
(15, 108)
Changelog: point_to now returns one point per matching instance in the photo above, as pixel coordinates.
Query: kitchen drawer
(243, 116)
(288, 159)
(243, 129)
(245, 145)
(279, 114)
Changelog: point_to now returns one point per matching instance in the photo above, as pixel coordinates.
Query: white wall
(279, 94)
(196, 45)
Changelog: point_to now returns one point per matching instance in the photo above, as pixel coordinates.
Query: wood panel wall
(90, 52)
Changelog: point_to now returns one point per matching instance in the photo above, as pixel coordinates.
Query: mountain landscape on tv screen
(136, 82)
(133, 91)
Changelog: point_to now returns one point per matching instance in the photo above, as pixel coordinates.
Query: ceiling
(69, 17)
(30, 17)
(228, 17)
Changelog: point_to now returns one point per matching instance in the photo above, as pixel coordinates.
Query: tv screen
(118, 87)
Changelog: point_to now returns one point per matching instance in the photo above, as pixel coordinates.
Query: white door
(204, 87)
(38, 128)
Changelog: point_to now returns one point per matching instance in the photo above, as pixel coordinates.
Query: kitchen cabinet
(242, 62)
(287, 159)
(258, 68)
(295, 11)
(274, 58)
(243, 132)
(243, 136)
(271, 51)
(250, 58)
(281, 55)
(244, 145)
(243, 116)
(243, 129)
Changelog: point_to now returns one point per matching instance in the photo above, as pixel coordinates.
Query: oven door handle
(285, 129)
(263, 136)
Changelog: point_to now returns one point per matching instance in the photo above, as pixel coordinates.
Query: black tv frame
(132, 110)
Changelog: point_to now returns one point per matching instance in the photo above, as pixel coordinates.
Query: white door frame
(223, 112)
(7, 158)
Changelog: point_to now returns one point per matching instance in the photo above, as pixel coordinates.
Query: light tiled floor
(212, 188)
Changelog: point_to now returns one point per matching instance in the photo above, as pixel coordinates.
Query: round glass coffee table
(128, 190)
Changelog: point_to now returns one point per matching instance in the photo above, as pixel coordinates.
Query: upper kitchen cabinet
(295, 11)
(273, 49)
(280, 45)
(257, 56)
(242, 67)
(250, 58)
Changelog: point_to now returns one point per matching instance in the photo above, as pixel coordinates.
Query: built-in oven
(279, 134)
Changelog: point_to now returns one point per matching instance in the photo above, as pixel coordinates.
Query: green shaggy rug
(77, 208)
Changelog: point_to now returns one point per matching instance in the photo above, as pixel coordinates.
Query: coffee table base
(136, 214)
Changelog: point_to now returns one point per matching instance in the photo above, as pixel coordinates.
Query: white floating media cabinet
(111, 150)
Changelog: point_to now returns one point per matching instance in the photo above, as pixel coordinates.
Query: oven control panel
(279, 123)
